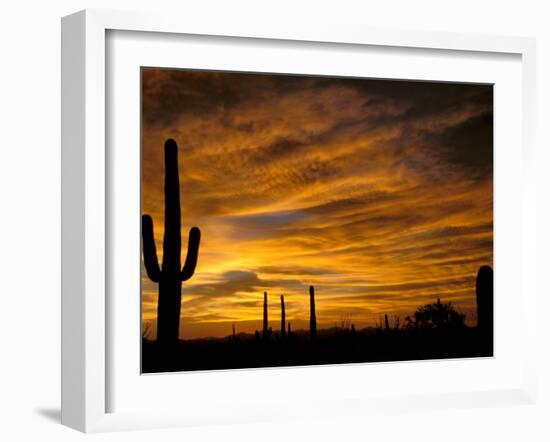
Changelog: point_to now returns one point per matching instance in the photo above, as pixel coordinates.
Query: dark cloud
(469, 145)
(297, 270)
(168, 94)
(232, 282)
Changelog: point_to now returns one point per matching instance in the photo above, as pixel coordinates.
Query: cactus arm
(149, 249)
(192, 254)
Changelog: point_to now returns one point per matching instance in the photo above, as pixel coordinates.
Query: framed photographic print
(337, 220)
(251, 213)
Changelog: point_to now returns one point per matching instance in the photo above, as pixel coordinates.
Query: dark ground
(330, 347)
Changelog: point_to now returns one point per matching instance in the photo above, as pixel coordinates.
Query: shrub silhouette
(312, 317)
(146, 331)
(484, 298)
(171, 276)
(436, 316)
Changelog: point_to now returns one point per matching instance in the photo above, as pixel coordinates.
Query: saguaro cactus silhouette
(265, 329)
(386, 322)
(283, 317)
(170, 277)
(484, 297)
(312, 317)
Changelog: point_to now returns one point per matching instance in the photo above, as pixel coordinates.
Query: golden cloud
(379, 193)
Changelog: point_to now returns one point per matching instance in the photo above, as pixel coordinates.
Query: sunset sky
(379, 193)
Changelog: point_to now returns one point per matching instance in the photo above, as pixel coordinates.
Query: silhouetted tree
(396, 322)
(435, 316)
(172, 274)
(283, 317)
(312, 317)
(345, 322)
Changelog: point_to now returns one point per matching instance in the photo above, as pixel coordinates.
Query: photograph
(298, 220)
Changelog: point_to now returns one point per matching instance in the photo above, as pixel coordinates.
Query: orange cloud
(379, 193)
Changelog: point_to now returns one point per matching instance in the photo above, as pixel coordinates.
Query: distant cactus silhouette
(312, 317)
(265, 330)
(484, 298)
(386, 322)
(283, 317)
(171, 276)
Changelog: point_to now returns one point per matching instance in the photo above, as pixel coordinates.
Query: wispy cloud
(377, 192)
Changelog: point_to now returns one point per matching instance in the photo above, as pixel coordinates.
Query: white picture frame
(86, 353)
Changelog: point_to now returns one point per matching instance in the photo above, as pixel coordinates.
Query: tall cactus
(170, 277)
(386, 322)
(283, 317)
(312, 317)
(484, 297)
(265, 329)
